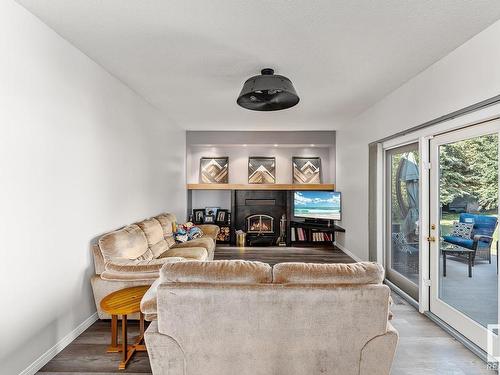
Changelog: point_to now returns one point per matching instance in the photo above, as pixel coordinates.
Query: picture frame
(211, 211)
(214, 170)
(222, 216)
(306, 170)
(261, 170)
(209, 219)
(198, 216)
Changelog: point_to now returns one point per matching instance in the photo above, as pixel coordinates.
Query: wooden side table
(125, 302)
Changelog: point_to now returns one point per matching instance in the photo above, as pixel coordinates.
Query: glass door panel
(402, 218)
(464, 214)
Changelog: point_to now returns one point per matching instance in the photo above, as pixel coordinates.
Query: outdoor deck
(476, 296)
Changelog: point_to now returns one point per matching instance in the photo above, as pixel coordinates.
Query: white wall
(466, 76)
(80, 154)
(238, 161)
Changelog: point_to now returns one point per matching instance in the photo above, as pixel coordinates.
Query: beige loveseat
(246, 318)
(134, 254)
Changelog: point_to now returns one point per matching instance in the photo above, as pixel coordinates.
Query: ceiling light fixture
(267, 92)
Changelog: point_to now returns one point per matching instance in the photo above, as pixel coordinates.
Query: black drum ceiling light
(267, 92)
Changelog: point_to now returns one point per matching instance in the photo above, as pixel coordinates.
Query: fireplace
(260, 223)
(258, 213)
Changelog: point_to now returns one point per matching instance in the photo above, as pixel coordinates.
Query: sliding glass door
(464, 199)
(402, 218)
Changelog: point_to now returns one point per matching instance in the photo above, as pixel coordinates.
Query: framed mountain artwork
(214, 170)
(306, 170)
(261, 170)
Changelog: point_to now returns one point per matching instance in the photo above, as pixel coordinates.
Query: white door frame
(462, 323)
(423, 136)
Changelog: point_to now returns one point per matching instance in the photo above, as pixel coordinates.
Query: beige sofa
(245, 318)
(134, 254)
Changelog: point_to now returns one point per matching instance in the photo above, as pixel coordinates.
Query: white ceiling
(190, 58)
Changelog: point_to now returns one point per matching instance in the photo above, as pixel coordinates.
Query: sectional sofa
(246, 318)
(134, 254)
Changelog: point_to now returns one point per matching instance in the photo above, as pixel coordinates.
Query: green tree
(455, 178)
(469, 168)
(483, 155)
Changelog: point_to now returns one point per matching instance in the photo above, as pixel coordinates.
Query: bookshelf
(311, 234)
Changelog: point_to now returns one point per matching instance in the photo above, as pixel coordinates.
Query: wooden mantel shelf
(261, 187)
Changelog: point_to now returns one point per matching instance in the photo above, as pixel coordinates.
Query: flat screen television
(325, 205)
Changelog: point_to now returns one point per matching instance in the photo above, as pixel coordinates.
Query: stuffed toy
(187, 231)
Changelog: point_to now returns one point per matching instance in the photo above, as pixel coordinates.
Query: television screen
(317, 205)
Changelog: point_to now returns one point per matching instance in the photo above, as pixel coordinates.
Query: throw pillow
(187, 231)
(400, 242)
(462, 230)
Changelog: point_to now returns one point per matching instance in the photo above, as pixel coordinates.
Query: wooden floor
(424, 348)
(273, 255)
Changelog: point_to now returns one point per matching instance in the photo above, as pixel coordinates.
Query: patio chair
(405, 254)
(481, 235)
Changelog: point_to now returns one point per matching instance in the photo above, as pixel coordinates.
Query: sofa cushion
(147, 255)
(152, 229)
(196, 253)
(313, 273)
(122, 269)
(154, 234)
(126, 243)
(167, 222)
(218, 271)
(205, 242)
(123, 265)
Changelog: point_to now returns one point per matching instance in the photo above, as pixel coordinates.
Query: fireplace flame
(260, 224)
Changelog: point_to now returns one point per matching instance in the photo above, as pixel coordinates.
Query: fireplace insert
(260, 223)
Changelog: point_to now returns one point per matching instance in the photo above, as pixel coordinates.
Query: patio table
(458, 251)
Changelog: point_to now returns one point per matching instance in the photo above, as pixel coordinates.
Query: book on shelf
(303, 234)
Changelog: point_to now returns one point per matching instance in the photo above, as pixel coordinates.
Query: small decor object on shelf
(222, 217)
(306, 170)
(261, 170)
(214, 170)
(198, 216)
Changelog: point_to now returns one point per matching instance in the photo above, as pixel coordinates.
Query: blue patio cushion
(483, 224)
(464, 242)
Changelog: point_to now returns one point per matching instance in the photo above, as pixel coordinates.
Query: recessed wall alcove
(238, 146)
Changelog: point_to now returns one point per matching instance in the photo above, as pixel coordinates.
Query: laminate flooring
(423, 348)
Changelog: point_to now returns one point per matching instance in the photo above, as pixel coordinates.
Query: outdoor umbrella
(408, 174)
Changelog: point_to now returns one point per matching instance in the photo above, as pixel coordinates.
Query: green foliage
(469, 168)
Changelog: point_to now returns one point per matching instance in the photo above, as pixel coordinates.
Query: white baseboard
(57, 348)
(353, 256)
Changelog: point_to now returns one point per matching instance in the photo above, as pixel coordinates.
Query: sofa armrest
(210, 230)
(378, 353)
(149, 302)
(99, 261)
(165, 353)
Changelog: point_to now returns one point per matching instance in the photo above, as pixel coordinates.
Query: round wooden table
(125, 302)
